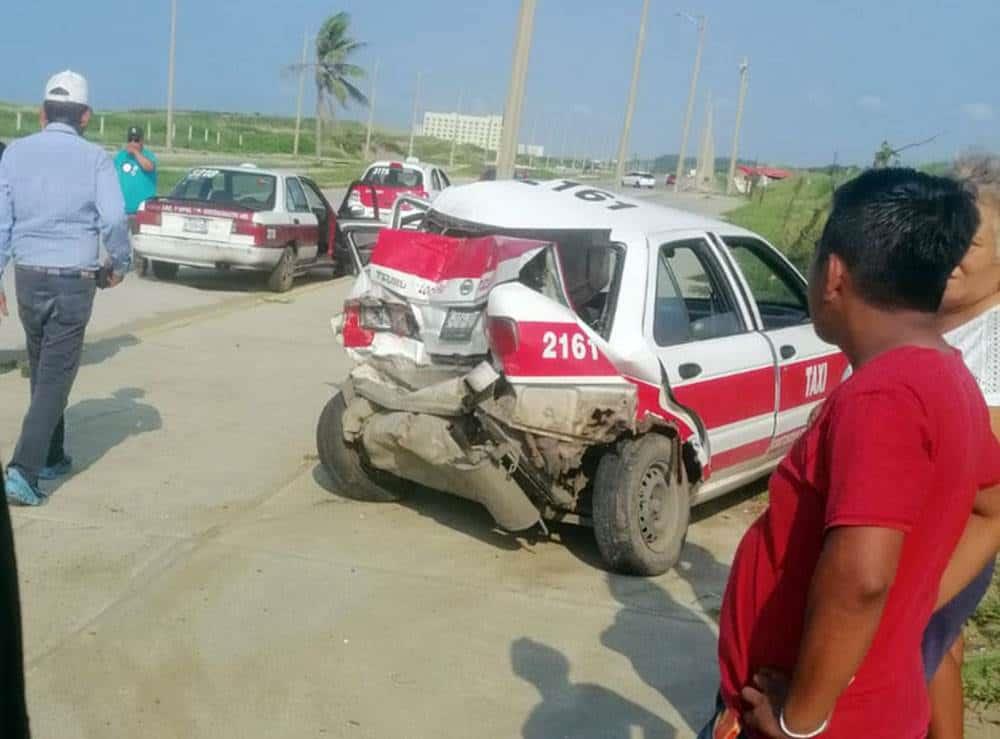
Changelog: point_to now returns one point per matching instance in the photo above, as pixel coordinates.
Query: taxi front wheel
(641, 508)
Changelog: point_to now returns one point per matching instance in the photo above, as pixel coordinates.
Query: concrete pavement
(195, 578)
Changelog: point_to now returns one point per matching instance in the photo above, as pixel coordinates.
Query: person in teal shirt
(136, 167)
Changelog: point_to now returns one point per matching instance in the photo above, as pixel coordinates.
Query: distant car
(238, 217)
(639, 179)
(671, 180)
(389, 180)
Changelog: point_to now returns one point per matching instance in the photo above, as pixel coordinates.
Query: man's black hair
(901, 234)
(60, 112)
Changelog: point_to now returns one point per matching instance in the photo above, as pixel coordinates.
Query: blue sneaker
(20, 491)
(58, 469)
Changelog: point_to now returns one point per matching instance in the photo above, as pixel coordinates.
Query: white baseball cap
(68, 87)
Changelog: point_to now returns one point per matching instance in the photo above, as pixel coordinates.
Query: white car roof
(527, 204)
(250, 170)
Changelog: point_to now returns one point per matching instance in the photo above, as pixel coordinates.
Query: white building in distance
(482, 130)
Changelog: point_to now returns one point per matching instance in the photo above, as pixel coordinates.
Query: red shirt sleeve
(878, 460)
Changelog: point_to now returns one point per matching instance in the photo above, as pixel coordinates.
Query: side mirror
(357, 211)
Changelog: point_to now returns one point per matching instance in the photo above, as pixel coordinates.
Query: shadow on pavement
(738, 497)
(238, 281)
(457, 514)
(103, 349)
(97, 425)
(666, 637)
(94, 352)
(577, 710)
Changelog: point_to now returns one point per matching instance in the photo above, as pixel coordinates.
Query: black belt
(76, 274)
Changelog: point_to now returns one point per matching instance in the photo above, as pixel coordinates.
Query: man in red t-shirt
(832, 588)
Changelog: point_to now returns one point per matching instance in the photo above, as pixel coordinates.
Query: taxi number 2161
(567, 346)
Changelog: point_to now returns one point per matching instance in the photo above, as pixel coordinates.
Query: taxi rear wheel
(282, 277)
(346, 464)
(641, 509)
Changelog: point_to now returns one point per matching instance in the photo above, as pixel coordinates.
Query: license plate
(196, 225)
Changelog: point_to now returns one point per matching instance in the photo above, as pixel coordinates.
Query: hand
(115, 279)
(3, 304)
(766, 700)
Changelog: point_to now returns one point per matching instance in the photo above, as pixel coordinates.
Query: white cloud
(978, 111)
(871, 103)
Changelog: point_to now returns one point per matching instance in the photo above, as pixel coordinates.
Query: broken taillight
(354, 334)
(503, 338)
(394, 317)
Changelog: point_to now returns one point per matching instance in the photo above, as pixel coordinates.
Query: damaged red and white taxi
(560, 353)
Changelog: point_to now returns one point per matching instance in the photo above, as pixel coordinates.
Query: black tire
(165, 270)
(640, 516)
(282, 277)
(346, 465)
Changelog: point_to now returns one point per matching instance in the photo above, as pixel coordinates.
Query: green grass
(791, 213)
(981, 672)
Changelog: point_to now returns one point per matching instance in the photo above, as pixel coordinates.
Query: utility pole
(744, 80)
(302, 90)
(633, 90)
(702, 22)
(170, 74)
(416, 104)
(507, 156)
(371, 113)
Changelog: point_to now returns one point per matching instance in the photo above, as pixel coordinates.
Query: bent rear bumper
(411, 434)
(194, 253)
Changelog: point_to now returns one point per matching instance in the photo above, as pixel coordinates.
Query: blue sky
(826, 76)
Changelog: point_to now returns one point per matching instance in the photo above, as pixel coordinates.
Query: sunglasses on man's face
(134, 139)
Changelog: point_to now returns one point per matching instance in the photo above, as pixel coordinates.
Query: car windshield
(394, 177)
(227, 187)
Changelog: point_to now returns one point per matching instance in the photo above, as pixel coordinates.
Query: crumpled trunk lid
(445, 282)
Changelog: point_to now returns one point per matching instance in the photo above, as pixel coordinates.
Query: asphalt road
(196, 576)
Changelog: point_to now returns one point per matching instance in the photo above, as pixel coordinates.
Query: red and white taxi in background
(242, 218)
(559, 352)
(388, 180)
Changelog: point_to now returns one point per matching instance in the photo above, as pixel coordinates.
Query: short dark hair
(901, 234)
(70, 114)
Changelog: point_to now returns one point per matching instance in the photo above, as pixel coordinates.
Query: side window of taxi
(692, 300)
(779, 292)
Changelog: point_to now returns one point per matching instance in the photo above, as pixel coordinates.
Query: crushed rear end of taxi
(483, 371)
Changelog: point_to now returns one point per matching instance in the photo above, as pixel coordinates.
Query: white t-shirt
(979, 342)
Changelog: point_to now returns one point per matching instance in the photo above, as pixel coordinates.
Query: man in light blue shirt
(59, 199)
(136, 167)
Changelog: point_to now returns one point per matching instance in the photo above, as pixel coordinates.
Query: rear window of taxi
(394, 177)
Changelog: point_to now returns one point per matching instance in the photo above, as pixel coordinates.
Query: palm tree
(334, 72)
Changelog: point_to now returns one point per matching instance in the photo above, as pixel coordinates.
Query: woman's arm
(979, 542)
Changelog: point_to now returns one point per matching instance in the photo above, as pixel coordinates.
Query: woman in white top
(970, 321)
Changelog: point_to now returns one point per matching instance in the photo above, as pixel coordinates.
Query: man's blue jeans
(54, 311)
